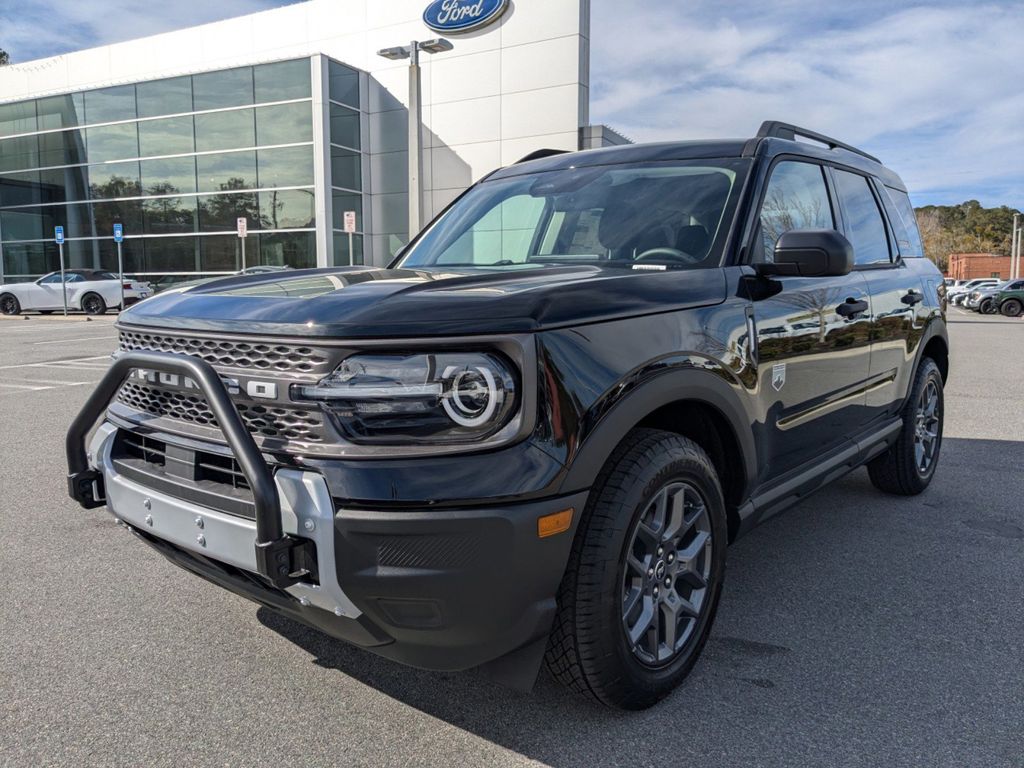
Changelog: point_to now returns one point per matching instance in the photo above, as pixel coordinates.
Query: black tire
(988, 307)
(93, 304)
(1011, 308)
(588, 649)
(899, 470)
(9, 304)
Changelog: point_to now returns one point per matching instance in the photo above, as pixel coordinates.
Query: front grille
(211, 479)
(267, 420)
(258, 356)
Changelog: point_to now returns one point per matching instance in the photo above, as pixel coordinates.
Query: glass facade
(177, 162)
(345, 160)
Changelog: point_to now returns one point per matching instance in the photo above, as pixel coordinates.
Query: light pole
(412, 53)
(1015, 248)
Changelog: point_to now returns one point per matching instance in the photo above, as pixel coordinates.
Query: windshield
(667, 214)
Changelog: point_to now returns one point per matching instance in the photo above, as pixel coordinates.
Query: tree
(5, 58)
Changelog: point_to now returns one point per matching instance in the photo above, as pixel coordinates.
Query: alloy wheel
(668, 567)
(92, 305)
(926, 428)
(8, 305)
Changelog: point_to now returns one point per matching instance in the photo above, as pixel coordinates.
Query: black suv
(534, 435)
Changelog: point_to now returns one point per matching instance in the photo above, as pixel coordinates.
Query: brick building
(968, 266)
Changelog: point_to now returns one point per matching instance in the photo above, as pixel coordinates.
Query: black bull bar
(280, 557)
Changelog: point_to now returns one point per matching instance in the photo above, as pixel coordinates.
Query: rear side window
(865, 227)
(796, 198)
(904, 221)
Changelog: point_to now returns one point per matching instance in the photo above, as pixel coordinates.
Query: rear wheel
(1011, 308)
(643, 582)
(9, 304)
(93, 304)
(908, 466)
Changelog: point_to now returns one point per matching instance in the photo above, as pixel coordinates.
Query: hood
(364, 302)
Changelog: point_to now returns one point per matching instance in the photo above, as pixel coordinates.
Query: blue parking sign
(118, 233)
(58, 235)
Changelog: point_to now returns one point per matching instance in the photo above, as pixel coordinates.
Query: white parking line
(58, 363)
(25, 387)
(72, 341)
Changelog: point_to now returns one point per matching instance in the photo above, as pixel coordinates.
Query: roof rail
(776, 129)
(537, 154)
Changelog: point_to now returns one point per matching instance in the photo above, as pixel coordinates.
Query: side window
(74, 277)
(864, 225)
(51, 280)
(796, 198)
(904, 221)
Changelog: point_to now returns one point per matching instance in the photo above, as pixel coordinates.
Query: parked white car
(956, 296)
(92, 291)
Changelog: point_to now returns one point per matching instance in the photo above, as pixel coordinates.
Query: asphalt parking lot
(857, 629)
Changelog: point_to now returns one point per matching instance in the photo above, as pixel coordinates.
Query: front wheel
(93, 304)
(9, 304)
(908, 466)
(641, 589)
(988, 307)
(1011, 308)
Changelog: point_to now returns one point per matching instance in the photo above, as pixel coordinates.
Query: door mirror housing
(810, 253)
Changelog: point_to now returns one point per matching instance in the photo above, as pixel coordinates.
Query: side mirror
(810, 253)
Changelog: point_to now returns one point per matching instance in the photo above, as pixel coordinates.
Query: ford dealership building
(289, 119)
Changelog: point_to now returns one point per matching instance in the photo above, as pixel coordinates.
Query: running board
(770, 501)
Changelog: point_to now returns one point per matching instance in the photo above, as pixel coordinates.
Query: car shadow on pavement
(832, 642)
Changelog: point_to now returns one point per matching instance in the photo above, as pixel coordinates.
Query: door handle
(912, 298)
(851, 308)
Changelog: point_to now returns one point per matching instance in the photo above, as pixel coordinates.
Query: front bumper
(439, 589)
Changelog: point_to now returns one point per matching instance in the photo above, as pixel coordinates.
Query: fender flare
(936, 328)
(686, 384)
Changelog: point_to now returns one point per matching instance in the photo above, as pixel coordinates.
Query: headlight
(400, 399)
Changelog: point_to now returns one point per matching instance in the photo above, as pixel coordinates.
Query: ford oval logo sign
(462, 15)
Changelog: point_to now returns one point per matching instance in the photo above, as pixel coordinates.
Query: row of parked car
(987, 295)
(92, 291)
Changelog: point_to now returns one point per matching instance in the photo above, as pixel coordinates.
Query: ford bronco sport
(534, 435)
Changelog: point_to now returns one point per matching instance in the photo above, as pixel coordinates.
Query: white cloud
(31, 29)
(930, 89)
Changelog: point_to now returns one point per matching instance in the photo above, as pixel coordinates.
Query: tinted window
(165, 97)
(346, 168)
(344, 126)
(228, 88)
(171, 136)
(285, 167)
(225, 130)
(169, 176)
(20, 153)
(343, 84)
(287, 209)
(60, 111)
(282, 81)
(50, 279)
(796, 198)
(17, 118)
(284, 124)
(114, 180)
(110, 104)
(112, 142)
(226, 171)
(346, 201)
(169, 214)
(865, 228)
(904, 221)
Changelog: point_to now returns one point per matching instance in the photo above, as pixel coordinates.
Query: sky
(928, 87)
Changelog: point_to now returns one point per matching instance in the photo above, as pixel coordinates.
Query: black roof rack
(778, 130)
(537, 154)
